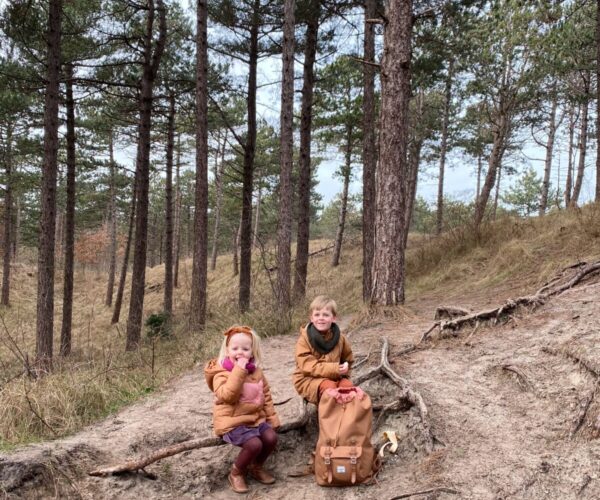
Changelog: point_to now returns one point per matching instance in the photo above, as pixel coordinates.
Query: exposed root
(524, 381)
(407, 394)
(139, 463)
(586, 400)
(555, 287)
(441, 489)
(449, 312)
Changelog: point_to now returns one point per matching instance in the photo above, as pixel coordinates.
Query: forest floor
(501, 433)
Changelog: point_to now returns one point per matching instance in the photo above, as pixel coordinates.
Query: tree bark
(444, 147)
(597, 198)
(150, 68)
(112, 267)
(121, 288)
(257, 216)
(369, 149)
(339, 236)
(549, 153)
(304, 164)
(5, 301)
(177, 237)
(479, 169)
(500, 131)
(497, 195)
(573, 117)
(168, 289)
(199, 269)
(248, 172)
(219, 169)
(582, 140)
(284, 228)
(45, 288)
(67, 317)
(388, 260)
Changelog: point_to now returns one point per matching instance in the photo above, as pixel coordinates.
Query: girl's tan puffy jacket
(312, 367)
(241, 398)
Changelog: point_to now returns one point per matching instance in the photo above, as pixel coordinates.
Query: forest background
(143, 135)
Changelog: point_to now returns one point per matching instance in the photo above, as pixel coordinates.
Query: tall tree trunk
(177, 237)
(388, 258)
(549, 153)
(414, 159)
(479, 169)
(17, 230)
(248, 172)
(257, 216)
(150, 68)
(8, 223)
(199, 266)
(369, 149)
(168, 295)
(45, 288)
(582, 141)
(219, 169)
(573, 117)
(597, 198)
(499, 138)
(284, 228)
(444, 147)
(112, 267)
(121, 288)
(235, 250)
(497, 195)
(346, 170)
(67, 318)
(304, 163)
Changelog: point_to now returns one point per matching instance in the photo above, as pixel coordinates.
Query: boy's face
(322, 319)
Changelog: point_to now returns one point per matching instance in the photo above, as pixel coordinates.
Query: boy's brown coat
(312, 367)
(228, 411)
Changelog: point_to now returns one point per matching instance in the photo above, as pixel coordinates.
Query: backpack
(344, 454)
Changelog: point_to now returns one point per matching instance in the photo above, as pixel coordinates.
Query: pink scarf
(228, 365)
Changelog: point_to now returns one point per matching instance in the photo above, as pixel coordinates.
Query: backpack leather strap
(327, 460)
(353, 456)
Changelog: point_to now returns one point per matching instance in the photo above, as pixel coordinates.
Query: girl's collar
(228, 365)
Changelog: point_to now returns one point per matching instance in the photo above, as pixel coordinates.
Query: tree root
(138, 464)
(586, 400)
(524, 381)
(407, 394)
(550, 289)
(441, 489)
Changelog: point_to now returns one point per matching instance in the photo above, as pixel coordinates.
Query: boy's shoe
(237, 481)
(261, 475)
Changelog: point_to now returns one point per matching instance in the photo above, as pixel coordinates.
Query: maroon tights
(256, 450)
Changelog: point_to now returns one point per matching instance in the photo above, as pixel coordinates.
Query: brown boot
(261, 475)
(237, 480)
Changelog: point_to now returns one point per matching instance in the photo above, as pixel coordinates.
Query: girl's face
(322, 319)
(240, 346)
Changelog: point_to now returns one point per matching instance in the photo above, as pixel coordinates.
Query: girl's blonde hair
(256, 350)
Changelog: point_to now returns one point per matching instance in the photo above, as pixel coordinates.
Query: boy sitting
(323, 354)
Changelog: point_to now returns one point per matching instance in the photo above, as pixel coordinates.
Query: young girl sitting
(243, 412)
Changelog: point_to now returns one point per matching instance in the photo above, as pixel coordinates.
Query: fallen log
(138, 464)
(551, 289)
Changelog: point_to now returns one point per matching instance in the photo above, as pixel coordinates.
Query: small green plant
(158, 326)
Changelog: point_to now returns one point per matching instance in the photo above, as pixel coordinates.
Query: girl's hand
(242, 362)
(344, 368)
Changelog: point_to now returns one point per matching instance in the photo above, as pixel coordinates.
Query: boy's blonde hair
(323, 302)
(256, 350)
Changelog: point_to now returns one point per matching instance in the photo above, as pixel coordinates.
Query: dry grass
(99, 377)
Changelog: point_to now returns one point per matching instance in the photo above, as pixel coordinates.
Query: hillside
(503, 400)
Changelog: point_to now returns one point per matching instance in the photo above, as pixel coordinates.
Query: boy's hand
(344, 368)
(242, 362)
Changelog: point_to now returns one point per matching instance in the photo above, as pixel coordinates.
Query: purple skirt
(243, 433)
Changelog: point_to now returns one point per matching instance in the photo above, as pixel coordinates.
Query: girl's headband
(237, 329)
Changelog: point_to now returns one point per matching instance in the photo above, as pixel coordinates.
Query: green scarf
(317, 340)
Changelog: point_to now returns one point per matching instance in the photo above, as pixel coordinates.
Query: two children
(243, 412)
